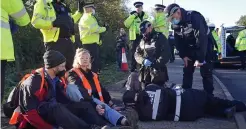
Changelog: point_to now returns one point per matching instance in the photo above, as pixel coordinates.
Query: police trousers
(64, 46)
(242, 55)
(134, 46)
(3, 69)
(95, 56)
(206, 73)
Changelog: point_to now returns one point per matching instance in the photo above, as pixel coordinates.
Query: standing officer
(193, 40)
(171, 42)
(53, 19)
(14, 10)
(217, 44)
(241, 47)
(152, 53)
(160, 23)
(90, 33)
(133, 23)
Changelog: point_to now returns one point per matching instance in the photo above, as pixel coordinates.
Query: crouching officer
(152, 53)
(194, 43)
(176, 104)
(53, 19)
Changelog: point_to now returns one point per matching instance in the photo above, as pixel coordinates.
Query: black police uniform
(172, 45)
(158, 103)
(193, 40)
(157, 50)
(64, 44)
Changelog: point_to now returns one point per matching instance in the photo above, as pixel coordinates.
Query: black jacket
(157, 50)
(121, 41)
(73, 78)
(192, 104)
(192, 36)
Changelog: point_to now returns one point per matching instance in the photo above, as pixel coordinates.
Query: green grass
(110, 75)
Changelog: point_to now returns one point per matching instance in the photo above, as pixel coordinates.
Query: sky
(219, 12)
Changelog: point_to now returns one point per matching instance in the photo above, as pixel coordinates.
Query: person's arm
(92, 25)
(76, 16)
(199, 24)
(128, 22)
(30, 100)
(139, 55)
(18, 12)
(179, 44)
(38, 19)
(163, 52)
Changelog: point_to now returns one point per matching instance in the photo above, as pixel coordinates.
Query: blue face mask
(175, 21)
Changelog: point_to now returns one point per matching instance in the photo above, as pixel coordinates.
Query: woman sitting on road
(91, 90)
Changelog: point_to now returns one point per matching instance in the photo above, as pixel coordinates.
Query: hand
(134, 12)
(186, 59)
(147, 63)
(60, 21)
(100, 109)
(198, 64)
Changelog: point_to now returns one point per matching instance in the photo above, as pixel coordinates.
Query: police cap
(159, 6)
(88, 3)
(138, 4)
(171, 9)
(144, 25)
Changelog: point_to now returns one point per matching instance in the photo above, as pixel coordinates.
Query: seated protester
(41, 102)
(153, 53)
(91, 90)
(158, 103)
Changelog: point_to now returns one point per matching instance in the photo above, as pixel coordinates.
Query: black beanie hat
(144, 25)
(53, 58)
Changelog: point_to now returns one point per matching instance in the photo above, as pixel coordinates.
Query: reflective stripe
(39, 16)
(89, 91)
(100, 93)
(19, 14)
(178, 103)
(156, 95)
(5, 25)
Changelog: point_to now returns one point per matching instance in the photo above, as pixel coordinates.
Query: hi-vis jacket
(43, 16)
(89, 29)
(160, 24)
(241, 41)
(16, 10)
(133, 22)
(217, 39)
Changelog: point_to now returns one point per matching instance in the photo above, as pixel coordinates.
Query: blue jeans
(110, 114)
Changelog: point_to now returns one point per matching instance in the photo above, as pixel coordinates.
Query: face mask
(60, 73)
(175, 21)
(93, 11)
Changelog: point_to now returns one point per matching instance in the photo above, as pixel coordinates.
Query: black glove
(133, 12)
(60, 21)
(80, 6)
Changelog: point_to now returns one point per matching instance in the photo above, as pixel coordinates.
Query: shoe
(132, 117)
(229, 112)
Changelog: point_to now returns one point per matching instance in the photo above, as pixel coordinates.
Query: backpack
(13, 99)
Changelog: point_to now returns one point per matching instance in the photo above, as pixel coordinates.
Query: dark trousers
(134, 46)
(242, 55)
(216, 106)
(172, 58)
(64, 46)
(3, 67)
(71, 116)
(206, 73)
(119, 57)
(94, 51)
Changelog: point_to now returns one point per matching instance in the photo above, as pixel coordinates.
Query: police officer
(133, 22)
(53, 19)
(172, 45)
(152, 53)
(90, 33)
(193, 41)
(241, 47)
(14, 10)
(176, 104)
(160, 23)
(216, 39)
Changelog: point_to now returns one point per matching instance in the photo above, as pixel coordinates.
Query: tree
(242, 21)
